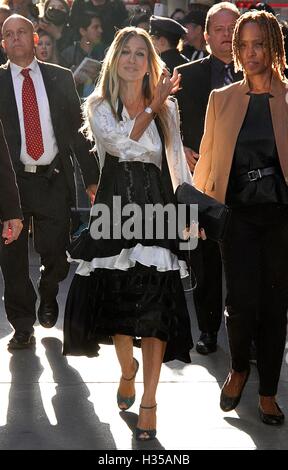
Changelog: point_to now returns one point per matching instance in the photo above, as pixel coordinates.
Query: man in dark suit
(10, 210)
(198, 79)
(166, 34)
(40, 111)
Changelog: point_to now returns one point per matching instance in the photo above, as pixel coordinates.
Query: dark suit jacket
(193, 99)
(9, 196)
(66, 119)
(3, 57)
(173, 58)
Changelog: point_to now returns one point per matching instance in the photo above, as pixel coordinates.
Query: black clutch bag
(213, 216)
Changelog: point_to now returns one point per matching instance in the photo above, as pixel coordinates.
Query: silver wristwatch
(148, 110)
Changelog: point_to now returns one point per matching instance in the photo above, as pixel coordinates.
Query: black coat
(3, 56)
(173, 58)
(9, 196)
(193, 99)
(66, 120)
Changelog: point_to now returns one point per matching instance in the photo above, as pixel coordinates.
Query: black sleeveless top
(256, 149)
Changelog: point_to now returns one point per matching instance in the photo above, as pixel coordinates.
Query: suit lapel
(50, 81)
(279, 115)
(238, 104)
(9, 110)
(234, 112)
(9, 114)
(206, 77)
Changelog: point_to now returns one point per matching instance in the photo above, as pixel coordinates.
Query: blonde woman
(126, 288)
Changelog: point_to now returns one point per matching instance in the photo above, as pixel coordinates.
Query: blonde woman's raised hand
(166, 86)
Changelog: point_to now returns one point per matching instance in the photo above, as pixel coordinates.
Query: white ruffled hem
(157, 256)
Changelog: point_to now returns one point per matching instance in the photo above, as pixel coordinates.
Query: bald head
(19, 40)
(15, 17)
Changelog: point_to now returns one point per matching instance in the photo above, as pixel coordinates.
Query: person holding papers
(90, 46)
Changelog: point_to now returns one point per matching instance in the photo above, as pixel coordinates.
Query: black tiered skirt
(139, 302)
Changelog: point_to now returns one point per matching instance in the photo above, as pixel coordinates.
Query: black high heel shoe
(127, 400)
(145, 434)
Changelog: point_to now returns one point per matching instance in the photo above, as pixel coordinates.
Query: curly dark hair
(272, 36)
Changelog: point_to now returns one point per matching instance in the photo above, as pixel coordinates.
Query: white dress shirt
(49, 140)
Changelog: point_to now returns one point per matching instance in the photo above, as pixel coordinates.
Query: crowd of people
(159, 96)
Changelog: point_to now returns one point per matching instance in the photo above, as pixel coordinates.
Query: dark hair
(140, 8)
(42, 32)
(137, 19)
(177, 10)
(273, 39)
(198, 7)
(85, 20)
(171, 38)
(262, 7)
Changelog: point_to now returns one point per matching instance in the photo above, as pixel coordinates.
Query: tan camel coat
(226, 111)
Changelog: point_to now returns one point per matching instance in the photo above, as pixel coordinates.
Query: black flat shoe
(274, 420)
(229, 403)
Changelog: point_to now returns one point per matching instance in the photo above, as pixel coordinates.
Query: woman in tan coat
(244, 162)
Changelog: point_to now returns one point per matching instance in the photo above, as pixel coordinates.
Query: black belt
(255, 175)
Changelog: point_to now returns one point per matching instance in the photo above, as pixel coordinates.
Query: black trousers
(47, 201)
(207, 266)
(255, 262)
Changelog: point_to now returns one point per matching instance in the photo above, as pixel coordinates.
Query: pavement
(53, 402)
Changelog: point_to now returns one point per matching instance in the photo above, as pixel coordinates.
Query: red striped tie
(32, 124)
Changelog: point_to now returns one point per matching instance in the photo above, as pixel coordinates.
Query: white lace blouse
(113, 137)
